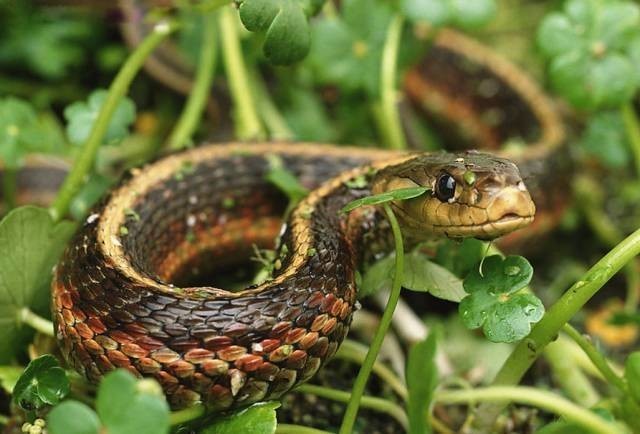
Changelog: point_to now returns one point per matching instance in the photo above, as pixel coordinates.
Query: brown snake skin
(115, 308)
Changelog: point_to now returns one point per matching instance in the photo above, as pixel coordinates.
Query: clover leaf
(42, 382)
(258, 419)
(21, 131)
(496, 302)
(347, 49)
(81, 117)
(605, 138)
(284, 22)
(592, 53)
(458, 13)
(34, 243)
(124, 405)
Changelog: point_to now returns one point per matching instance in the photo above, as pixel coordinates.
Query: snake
(121, 293)
(132, 290)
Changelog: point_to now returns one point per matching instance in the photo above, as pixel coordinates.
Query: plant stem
(42, 325)
(182, 133)
(9, 188)
(528, 349)
(363, 375)
(594, 355)
(370, 402)
(186, 414)
(284, 428)
(535, 397)
(84, 161)
(632, 127)
(573, 381)
(391, 124)
(356, 352)
(272, 118)
(248, 126)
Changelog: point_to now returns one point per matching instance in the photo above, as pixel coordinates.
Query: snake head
(472, 194)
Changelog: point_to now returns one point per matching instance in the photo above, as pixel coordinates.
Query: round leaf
(42, 382)
(72, 417)
(496, 302)
(81, 117)
(125, 408)
(499, 276)
(472, 14)
(558, 35)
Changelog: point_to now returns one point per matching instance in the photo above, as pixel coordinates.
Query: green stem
(632, 126)
(391, 124)
(534, 397)
(356, 352)
(596, 357)
(83, 163)
(573, 381)
(285, 428)
(182, 133)
(186, 415)
(370, 402)
(363, 375)
(272, 118)
(528, 349)
(248, 126)
(44, 326)
(9, 188)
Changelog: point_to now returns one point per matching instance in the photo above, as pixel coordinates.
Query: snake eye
(445, 187)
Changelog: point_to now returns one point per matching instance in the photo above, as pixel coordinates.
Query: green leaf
(258, 419)
(562, 427)
(461, 13)
(389, 196)
(558, 35)
(347, 50)
(35, 242)
(42, 382)
(127, 408)
(435, 12)
(284, 22)
(605, 138)
(9, 376)
(472, 14)
(420, 275)
(589, 45)
(286, 182)
(72, 417)
(496, 303)
(422, 379)
(81, 117)
(48, 41)
(21, 131)
(460, 256)
(632, 375)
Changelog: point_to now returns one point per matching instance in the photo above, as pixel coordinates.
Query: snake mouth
(488, 230)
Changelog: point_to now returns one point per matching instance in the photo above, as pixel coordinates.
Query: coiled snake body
(114, 305)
